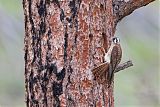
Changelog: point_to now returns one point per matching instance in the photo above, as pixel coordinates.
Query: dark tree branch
(122, 8)
(123, 66)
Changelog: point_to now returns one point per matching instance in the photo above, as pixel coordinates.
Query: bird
(113, 56)
(104, 72)
(100, 73)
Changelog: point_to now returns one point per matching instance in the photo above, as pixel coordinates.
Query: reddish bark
(63, 42)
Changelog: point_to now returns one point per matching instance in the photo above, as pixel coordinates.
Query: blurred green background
(139, 32)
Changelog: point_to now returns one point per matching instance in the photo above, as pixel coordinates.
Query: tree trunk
(63, 42)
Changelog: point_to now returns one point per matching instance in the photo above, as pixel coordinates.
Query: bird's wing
(116, 55)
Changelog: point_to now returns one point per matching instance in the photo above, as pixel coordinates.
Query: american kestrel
(104, 72)
(113, 57)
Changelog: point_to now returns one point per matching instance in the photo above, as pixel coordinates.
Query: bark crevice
(63, 41)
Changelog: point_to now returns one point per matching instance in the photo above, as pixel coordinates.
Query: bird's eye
(116, 40)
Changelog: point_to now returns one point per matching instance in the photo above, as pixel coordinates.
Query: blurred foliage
(137, 86)
(11, 54)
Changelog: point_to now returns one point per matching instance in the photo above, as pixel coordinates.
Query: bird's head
(115, 40)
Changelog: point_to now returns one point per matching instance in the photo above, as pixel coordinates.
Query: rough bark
(122, 8)
(63, 42)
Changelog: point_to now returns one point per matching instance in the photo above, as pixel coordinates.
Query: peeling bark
(63, 42)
